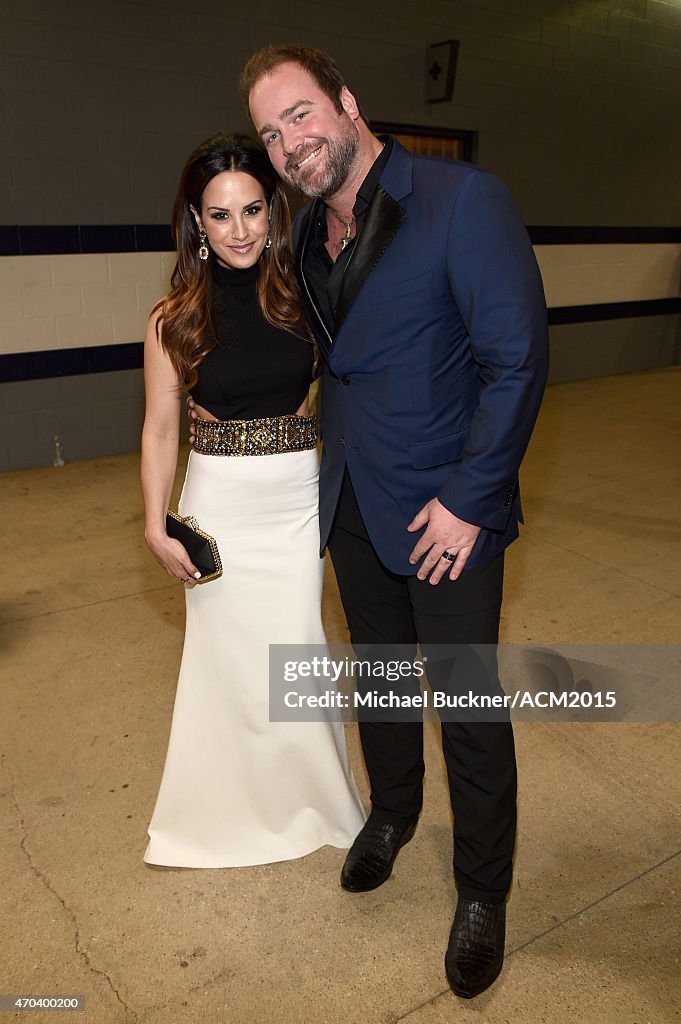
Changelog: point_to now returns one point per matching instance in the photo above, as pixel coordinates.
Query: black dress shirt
(323, 275)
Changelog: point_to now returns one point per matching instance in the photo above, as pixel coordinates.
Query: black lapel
(382, 222)
(324, 339)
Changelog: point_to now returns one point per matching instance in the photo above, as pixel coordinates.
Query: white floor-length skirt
(238, 789)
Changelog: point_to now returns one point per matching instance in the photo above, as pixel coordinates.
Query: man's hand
(193, 415)
(444, 532)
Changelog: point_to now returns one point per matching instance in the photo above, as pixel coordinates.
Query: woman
(237, 789)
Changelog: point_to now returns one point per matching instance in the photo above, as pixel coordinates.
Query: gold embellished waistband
(271, 435)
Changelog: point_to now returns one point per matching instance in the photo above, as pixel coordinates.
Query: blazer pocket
(439, 451)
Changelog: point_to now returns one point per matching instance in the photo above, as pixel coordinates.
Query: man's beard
(340, 155)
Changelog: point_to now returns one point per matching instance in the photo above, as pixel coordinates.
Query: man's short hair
(319, 66)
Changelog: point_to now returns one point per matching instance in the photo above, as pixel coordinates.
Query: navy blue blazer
(436, 366)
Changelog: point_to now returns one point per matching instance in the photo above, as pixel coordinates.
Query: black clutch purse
(200, 546)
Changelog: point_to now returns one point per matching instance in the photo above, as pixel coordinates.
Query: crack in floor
(86, 604)
(80, 949)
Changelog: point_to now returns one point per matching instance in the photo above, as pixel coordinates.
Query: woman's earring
(203, 248)
(268, 243)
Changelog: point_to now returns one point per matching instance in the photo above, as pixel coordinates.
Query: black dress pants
(383, 608)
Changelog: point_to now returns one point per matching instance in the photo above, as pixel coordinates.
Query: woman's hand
(172, 555)
(193, 417)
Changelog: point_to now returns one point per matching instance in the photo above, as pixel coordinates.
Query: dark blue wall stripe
(71, 362)
(570, 235)
(51, 239)
(37, 240)
(107, 238)
(613, 311)
(25, 240)
(153, 238)
(9, 240)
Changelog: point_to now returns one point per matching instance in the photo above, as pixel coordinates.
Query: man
(420, 284)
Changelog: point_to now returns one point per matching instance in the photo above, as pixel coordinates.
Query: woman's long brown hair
(185, 327)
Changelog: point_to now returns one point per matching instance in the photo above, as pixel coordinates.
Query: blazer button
(345, 379)
(342, 440)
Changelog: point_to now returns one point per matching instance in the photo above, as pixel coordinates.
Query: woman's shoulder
(157, 312)
(154, 327)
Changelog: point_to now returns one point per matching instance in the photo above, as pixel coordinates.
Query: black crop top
(255, 370)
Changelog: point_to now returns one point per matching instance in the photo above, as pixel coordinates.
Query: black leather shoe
(370, 859)
(475, 953)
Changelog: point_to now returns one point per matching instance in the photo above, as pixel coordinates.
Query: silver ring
(449, 556)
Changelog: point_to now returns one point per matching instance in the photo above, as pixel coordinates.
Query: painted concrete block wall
(631, 344)
(575, 102)
(70, 299)
(91, 414)
(576, 275)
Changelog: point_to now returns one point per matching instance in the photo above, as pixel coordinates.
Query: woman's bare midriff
(203, 414)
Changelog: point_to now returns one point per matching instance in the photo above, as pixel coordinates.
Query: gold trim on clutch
(212, 543)
(271, 435)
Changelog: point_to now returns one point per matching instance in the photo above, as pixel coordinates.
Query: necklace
(346, 224)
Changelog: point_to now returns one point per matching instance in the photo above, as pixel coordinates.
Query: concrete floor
(91, 639)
